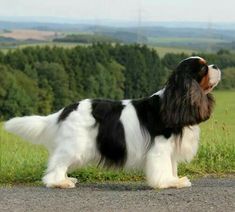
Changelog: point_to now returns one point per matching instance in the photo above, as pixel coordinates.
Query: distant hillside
(7, 25)
(126, 36)
(86, 38)
(180, 35)
(147, 31)
(56, 21)
(6, 40)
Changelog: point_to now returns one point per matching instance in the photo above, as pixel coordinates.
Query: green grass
(22, 162)
(217, 148)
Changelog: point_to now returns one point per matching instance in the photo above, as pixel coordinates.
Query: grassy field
(187, 45)
(162, 50)
(166, 40)
(22, 162)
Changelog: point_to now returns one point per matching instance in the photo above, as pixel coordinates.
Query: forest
(41, 80)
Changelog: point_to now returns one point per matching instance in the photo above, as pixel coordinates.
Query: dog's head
(197, 69)
(187, 99)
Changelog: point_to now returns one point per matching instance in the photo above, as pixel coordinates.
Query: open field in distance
(25, 34)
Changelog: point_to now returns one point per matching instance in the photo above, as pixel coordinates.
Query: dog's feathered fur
(152, 133)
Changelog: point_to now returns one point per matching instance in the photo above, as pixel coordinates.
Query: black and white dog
(153, 133)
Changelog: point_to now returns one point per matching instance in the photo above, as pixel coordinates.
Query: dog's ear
(201, 103)
(184, 103)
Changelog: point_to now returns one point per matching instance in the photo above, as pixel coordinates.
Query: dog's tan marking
(67, 183)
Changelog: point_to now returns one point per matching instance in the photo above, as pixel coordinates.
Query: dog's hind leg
(56, 173)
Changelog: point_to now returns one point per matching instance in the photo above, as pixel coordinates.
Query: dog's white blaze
(214, 75)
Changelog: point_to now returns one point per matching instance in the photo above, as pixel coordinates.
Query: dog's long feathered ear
(184, 102)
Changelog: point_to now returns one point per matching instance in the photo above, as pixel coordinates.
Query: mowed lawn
(21, 162)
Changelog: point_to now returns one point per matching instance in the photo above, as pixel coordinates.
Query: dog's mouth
(209, 89)
(214, 78)
(211, 86)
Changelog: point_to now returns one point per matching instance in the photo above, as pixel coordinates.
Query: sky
(123, 10)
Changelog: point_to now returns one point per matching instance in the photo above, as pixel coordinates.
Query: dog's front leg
(160, 172)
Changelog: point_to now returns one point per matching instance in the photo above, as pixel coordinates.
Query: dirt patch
(26, 34)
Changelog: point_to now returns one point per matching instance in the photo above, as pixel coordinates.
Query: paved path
(206, 194)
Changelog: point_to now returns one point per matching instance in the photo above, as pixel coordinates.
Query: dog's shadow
(115, 186)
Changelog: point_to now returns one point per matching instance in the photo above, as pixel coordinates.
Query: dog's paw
(183, 182)
(73, 179)
(67, 183)
(174, 183)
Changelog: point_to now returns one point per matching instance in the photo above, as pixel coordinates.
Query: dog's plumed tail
(36, 129)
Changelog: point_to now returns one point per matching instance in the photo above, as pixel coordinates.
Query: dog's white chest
(189, 144)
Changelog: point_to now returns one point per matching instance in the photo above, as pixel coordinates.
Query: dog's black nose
(214, 67)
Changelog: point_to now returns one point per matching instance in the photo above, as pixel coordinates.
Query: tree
(14, 93)
(228, 79)
(57, 78)
(45, 97)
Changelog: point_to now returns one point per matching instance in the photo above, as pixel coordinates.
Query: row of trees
(40, 80)
(43, 79)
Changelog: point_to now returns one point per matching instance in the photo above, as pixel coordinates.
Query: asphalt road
(206, 194)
